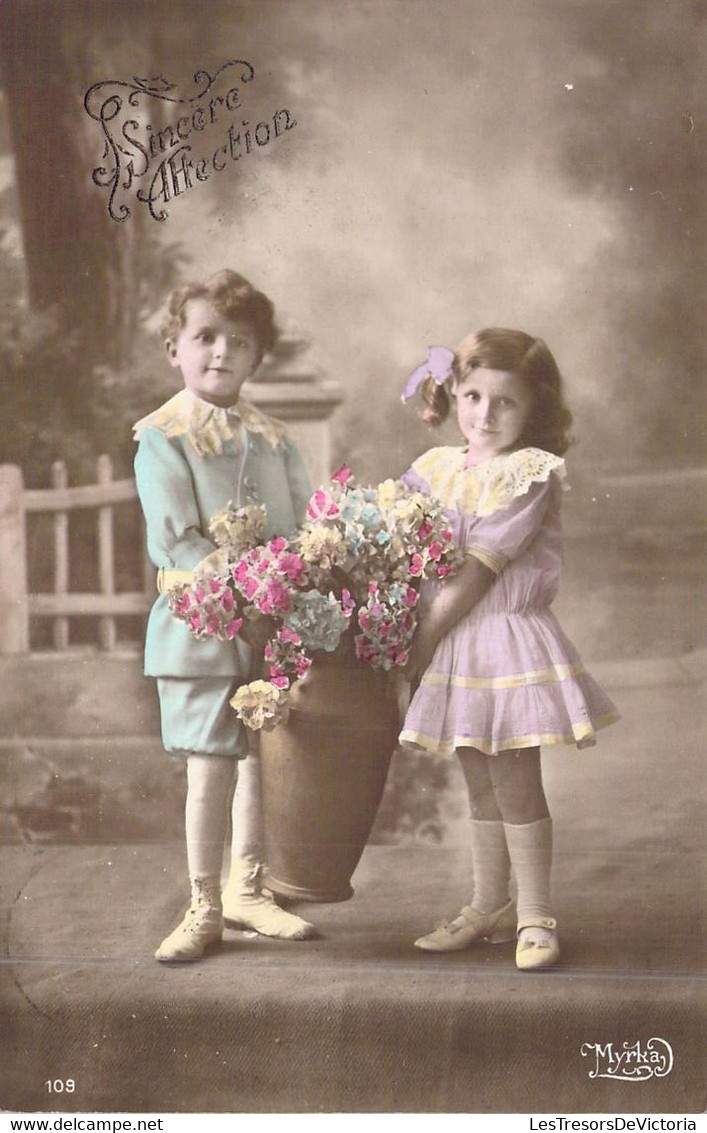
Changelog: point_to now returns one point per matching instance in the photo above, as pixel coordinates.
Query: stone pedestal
(290, 387)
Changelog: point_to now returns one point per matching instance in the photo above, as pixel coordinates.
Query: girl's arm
(455, 599)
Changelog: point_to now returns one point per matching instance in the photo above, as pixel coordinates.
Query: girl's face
(215, 354)
(492, 408)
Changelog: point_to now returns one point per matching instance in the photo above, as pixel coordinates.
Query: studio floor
(357, 1020)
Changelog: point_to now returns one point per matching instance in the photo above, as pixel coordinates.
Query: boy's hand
(214, 564)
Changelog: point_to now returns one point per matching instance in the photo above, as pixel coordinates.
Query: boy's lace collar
(208, 427)
(484, 488)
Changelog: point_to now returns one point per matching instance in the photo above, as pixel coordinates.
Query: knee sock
(247, 813)
(209, 779)
(492, 866)
(530, 849)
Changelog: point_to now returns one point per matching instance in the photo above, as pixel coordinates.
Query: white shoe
(538, 946)
(201, 928)
(246, 904)
(469, 927)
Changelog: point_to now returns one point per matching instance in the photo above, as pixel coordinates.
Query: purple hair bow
(438, 366)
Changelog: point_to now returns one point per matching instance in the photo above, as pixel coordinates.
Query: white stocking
(492, 865)
(209, 779)
(247, 813)
(530, 847)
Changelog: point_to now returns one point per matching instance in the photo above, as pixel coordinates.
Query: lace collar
(208, 427)
(484, 488)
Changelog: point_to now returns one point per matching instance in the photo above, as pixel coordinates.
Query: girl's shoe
(539, 950)
(201, 928)
(469, 927)
(247, 905)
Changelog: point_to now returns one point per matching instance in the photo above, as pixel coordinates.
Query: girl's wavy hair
(232, 296)
(497, 348)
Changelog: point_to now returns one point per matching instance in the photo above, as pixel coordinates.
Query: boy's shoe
(469, 927)
(248, 905)
(539, 949)
(201, 928)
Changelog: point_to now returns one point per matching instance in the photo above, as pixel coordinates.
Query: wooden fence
(18, 605)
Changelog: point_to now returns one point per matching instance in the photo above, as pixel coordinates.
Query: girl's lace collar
(208, 427)
(484, 488)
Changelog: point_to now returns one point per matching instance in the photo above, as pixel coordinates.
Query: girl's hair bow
(438, 366)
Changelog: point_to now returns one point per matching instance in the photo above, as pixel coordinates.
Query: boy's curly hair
(233, 296)
(497, 348)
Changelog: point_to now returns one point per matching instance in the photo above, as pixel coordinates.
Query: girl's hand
(453, 601)
(403, 694)
(422, 651)
(455, 598)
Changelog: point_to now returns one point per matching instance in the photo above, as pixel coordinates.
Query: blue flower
(370, 517)
(318, 620)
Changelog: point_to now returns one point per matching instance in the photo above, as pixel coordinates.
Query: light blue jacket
(251, 461)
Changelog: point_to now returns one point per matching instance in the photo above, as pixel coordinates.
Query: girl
(196, 452)
(496, 676)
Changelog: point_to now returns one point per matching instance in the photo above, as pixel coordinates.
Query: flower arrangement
(358, 560)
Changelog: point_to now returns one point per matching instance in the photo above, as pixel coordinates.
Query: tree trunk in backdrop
(79, 261)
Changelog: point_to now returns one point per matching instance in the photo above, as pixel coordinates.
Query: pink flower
(443, 570)
(424, 529)
(288, 635)
(250, 587)
(367, 651)
(227, 601)
(240, 571)
(292, 566)
(435, 551)
(182, 604)
(234, 628)
(342, 475)
(302, 664)
(322, 505)
(277, 597)
(279, 682)
(278, 544)
(195, 621)
(416, 565)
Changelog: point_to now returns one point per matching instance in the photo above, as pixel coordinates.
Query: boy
(196, 452)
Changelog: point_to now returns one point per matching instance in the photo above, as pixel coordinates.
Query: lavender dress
(506, 676)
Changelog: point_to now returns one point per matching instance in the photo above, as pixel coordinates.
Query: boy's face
(214, 353)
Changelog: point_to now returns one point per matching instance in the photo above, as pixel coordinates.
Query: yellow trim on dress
(583, 735)
(517, 680)
(490, 559)
(208, 427)
(485, 488)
